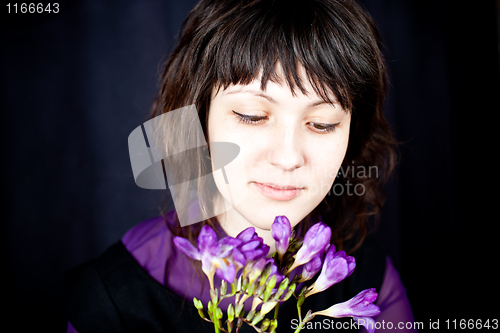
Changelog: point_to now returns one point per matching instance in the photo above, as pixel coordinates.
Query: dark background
(74, 85)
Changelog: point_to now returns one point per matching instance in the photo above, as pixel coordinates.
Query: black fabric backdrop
(74, 85)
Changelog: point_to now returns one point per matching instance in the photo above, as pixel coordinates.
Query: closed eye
(249, 119)
(254, 120)
(322, 127)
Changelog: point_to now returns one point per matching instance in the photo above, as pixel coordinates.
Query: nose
(285, 150)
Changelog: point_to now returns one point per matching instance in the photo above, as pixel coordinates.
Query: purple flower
(229, 245)
(212, 254)
(238, 259)
(311, 268)
(336, 267)
(247, 234)
(315, 241)
(281, 231)
(360, 307)
(252, 246)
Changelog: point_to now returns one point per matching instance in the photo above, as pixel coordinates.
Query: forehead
(280, 85)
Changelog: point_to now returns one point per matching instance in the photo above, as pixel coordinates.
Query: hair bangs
(281, 42)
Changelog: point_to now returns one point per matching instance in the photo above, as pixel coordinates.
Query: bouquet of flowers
(246, 271)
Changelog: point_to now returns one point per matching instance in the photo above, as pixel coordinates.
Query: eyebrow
(269, 98)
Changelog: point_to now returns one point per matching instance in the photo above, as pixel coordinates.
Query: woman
(298, 86)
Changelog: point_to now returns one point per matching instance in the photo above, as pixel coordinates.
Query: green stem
(298, 328)
(300, 319)
(216, 325)
(214, 317)
(276, 309)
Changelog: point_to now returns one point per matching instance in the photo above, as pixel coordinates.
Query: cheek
(325, 166)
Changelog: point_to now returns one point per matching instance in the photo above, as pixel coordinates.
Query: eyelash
(326, 128)
(254, 120)
(247, 119)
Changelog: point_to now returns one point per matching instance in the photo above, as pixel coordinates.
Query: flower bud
(230, 312)
(281, 231)
(265, 324)
(315, 241)
(360, 307)
(336, 267)
(266, 307)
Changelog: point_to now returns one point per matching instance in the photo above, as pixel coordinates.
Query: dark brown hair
(224, 42)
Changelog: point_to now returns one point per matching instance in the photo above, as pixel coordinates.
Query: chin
(265, 219)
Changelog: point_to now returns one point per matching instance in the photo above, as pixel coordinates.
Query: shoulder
(392, 288)
(152, 230)
(150, 244)
(392, 299)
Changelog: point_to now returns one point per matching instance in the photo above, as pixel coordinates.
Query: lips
(277, 191)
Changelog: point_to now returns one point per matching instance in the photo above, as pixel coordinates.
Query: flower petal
(247, 234)
(227, 244)
(334, 270)
(367, 322)
(360, 305)
(251, 245)
(311, 268)
(315, 241)
(254, 250)
(187, 248)
(351, 264)
(207, 240)
(224, 269)
(239, 258)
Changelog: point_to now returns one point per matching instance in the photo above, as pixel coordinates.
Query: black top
(115, 294)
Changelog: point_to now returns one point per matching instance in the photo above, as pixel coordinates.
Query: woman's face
(291, 148)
